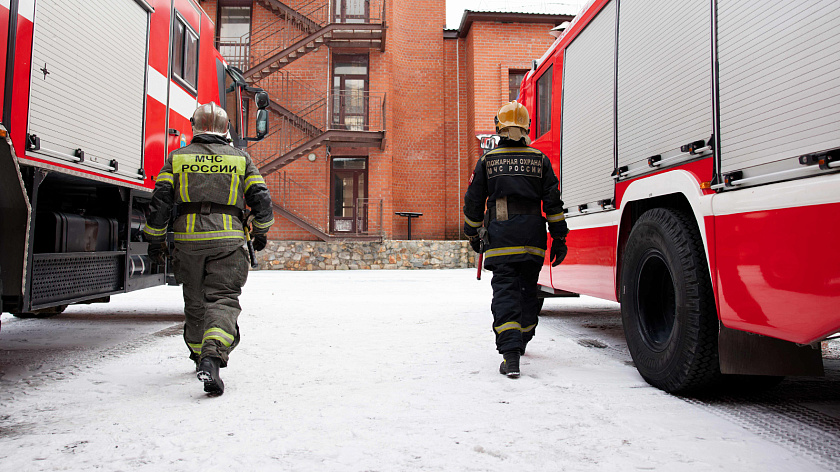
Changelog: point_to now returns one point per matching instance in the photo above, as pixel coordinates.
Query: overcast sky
(455, 8)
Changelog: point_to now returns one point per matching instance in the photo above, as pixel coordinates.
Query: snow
(362, 371)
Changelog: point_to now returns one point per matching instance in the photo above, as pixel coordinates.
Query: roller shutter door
(93, 96)
(588, 124)
(779, 76)
(664, 76)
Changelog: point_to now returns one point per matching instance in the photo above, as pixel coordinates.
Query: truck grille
(65, 277)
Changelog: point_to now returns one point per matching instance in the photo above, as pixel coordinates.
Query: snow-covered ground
(359, 371)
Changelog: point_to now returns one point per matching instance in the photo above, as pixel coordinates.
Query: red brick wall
(439, 95)
(493, 49)
(418, 133)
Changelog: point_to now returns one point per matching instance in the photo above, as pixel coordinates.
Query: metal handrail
(286, 136)
(373, 226)
(374, 9)
(305, 202)
(313, 207)
(263, 42)
(370, 106)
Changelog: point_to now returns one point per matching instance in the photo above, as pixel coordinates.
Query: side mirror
(262, 100)
(262, 120)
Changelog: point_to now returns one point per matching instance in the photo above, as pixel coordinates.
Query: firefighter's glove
(475, 243)
(481, 241)
(260, 240)
(158, 252)
(558, 251)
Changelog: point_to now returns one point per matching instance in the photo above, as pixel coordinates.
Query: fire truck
(698, 148)
(96, 94)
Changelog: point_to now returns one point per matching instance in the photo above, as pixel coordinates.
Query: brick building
(376, 108)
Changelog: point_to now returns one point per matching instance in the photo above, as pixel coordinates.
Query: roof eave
(508, 17)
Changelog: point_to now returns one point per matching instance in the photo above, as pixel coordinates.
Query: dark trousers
(515, 304)
(212, 282)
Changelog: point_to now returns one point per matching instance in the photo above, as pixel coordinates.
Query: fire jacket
(514, 179)
(208, 171)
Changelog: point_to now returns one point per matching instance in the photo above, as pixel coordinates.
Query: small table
(409, 215)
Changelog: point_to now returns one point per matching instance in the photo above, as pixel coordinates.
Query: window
(185, 53)
(544, 102)
(350, 97)
(514, 81)
(234, 33)
(352, 11)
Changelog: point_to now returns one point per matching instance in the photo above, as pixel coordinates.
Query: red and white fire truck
(698, 148)
(96, 93)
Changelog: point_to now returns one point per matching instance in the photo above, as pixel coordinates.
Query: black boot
(208, 372)
(510, 366)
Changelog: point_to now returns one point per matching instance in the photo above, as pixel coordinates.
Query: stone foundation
(317, 255)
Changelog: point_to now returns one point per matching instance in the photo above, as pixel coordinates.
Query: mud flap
(746, 353)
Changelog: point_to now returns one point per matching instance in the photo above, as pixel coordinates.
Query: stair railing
(305, 202)
(286, 136)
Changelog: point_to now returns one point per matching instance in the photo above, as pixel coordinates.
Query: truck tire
(667, 304)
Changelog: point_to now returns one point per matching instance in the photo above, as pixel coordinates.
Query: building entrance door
(352, 11)
(349, 212)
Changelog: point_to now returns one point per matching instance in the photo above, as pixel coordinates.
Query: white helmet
(209, 119)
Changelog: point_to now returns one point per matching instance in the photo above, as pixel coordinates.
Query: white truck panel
(93, 96)
(779, 76)
(588, 95)
(664, 76)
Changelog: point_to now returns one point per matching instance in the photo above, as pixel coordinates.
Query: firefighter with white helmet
(210, 183)
(514, 179)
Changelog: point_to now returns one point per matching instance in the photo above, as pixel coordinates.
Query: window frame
(217, 37)
(547, 74)
(512, 72)
(179, 75)
(338, 108)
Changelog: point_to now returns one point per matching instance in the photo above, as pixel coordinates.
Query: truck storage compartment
(58, 232)
(89, 66)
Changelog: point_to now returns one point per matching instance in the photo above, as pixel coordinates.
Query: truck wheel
(45, 313)
(667, 305)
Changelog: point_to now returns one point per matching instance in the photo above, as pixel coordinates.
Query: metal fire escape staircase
(291, 15)
(303, 127)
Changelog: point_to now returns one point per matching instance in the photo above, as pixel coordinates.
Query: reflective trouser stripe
(508, 326)
(508, 251)
(219, 335)
(196, 348)
(514, 325)
(210, 235)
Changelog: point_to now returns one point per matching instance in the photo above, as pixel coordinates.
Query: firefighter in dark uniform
(514, 179)
(210, 182)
